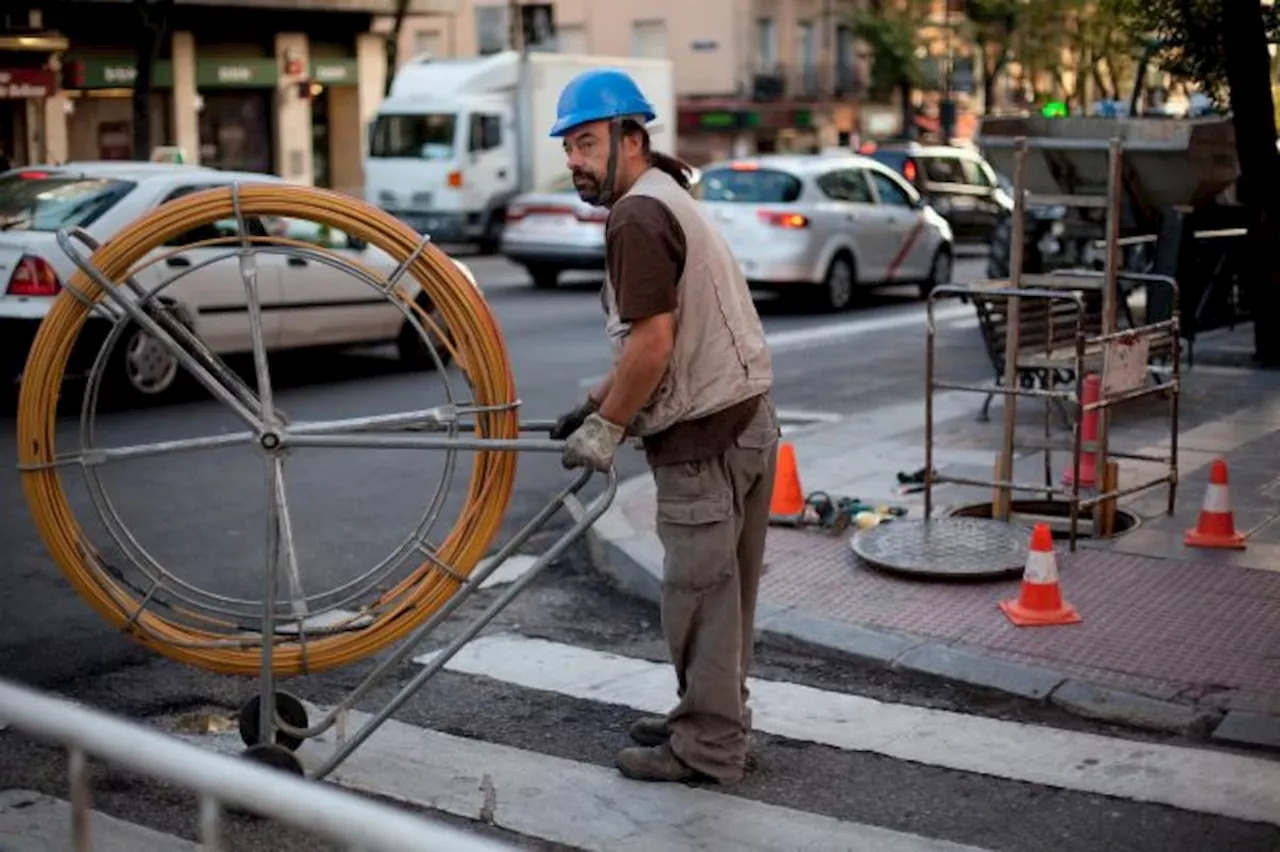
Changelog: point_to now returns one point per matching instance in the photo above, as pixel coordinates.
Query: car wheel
(413, 350)
(491, 240)
(544, 277)
(939, 273)
(839, 283)
(141, 367)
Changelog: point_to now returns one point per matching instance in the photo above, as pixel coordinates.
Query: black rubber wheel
(544, 277)
(274, 757)
(288, 708)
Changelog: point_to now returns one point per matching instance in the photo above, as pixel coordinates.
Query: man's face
(586, 149)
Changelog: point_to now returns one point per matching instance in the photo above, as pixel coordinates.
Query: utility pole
(515, 25)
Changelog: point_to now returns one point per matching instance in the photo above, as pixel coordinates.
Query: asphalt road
(200, 515)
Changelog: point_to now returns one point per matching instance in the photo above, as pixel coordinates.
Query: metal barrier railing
(219, 780)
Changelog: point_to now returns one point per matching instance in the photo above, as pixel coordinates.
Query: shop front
(23, 124)
(336, 131)
(237, 104)
(99, 92)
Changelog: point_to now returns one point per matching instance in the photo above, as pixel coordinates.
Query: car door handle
(502, 173)
(177, 261)
(297, 261)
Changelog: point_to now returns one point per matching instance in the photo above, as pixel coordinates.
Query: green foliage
(891, 35)
(1188, 34)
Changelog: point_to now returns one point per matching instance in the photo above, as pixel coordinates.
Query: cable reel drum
(309, 632)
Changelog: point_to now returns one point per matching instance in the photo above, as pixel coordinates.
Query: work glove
(569, 423)
(593, 444)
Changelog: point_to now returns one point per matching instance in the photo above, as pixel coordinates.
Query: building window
(492, 31)
(766, 44)
(846, 76)
(649, 39)
(807, 36)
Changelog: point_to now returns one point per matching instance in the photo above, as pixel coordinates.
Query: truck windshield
(48, 201)
(419, 137)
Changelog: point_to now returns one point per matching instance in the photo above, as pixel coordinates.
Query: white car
(305, 303)
(552, 232)
(821, 226)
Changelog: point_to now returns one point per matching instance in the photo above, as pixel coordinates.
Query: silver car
(820, 226)
(551, 232)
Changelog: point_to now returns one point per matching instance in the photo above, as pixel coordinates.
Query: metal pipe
(322, 809)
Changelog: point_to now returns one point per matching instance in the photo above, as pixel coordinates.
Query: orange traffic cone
(787, 504)
(1039, 602)
(1217, 525)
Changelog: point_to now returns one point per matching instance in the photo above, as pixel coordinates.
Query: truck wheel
(544, 277)
(491, 240)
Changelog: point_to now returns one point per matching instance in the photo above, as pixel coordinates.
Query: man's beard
(588, 187)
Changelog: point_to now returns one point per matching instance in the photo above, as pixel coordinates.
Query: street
(201, 516)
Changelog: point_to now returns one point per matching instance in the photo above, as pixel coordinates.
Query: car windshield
(748, 186)
(48, 201)
(418, 137)
(896, 160)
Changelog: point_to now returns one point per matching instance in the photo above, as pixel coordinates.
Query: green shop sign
(335, 72)
(112, 73)
(236, 73)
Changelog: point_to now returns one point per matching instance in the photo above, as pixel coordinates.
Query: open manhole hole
(1056, 514)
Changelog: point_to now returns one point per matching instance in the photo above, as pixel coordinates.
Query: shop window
(486, 132)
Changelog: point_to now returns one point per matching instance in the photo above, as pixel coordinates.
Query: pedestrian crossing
(583, 804)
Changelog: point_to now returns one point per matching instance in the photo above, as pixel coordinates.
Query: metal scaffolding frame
(1063, 286)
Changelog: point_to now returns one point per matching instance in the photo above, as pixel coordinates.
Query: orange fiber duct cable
(483, 360)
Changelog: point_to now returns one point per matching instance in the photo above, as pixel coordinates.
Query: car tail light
(789, 221)
(515, 214)
(33, 276)
(909, 170)
(595, 214)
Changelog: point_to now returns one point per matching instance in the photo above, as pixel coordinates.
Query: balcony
(800, 82)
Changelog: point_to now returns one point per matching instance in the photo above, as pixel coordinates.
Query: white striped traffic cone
(1217, 526)
(1039, 602)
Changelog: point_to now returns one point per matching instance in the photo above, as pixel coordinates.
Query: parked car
(554, 231)
(957, 182)
(821, 226)
(306, 303)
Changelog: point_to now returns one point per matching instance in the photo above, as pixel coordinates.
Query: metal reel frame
(273, 730)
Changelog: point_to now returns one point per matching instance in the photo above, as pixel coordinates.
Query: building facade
(260, 85)
(750, 75)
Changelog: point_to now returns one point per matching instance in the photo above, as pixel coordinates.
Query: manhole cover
(945, 547)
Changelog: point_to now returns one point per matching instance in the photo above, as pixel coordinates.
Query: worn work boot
(654, 763)
(654, 731)
(650, 731)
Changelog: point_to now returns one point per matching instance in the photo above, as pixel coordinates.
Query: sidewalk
(1173, 639)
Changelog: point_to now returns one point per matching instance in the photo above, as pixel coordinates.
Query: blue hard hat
(599, 94)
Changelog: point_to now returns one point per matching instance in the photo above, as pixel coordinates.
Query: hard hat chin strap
(611, 170)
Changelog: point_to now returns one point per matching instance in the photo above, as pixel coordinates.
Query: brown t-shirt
(645, 254)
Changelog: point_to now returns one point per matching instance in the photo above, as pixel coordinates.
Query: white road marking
(577, 804)
(799, 339)
(1204, 781)
(34, 822)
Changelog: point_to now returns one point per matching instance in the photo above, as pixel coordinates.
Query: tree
(154, 25)
(1222, 46)
(991, 27)
(890, 30)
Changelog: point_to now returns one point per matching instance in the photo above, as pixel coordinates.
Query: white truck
(455, 140)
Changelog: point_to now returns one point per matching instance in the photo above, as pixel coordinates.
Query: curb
(633, 561)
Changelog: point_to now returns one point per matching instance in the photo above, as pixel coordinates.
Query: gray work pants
(712, 517)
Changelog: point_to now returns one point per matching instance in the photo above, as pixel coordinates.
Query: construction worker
(691, 378)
